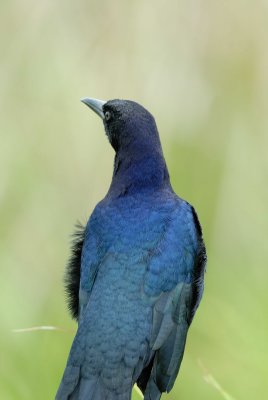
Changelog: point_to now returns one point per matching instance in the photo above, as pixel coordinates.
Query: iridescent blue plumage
(141, 272)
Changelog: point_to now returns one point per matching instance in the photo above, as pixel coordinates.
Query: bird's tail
(74, 387)
(152, 391)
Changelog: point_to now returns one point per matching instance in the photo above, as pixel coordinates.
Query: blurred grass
(201, 69)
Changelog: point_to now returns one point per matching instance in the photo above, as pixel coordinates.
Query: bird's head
(132, 132)
(128, 125)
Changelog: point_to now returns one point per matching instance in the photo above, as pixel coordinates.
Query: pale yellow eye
(107, 116)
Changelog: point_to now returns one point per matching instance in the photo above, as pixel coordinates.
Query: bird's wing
(175, 279)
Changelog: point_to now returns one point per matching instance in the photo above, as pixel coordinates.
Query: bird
(135, 276)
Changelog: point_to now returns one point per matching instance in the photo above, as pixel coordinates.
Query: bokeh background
(201, 68)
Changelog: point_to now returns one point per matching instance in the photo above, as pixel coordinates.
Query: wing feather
(179, 266)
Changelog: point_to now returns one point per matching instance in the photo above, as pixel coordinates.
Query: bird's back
(119, 314)
(116, 320)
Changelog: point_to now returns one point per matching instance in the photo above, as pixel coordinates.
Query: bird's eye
(107, 116)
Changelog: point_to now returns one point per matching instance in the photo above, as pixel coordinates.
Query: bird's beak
(95, 105)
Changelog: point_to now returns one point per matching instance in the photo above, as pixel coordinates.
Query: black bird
(135, 278)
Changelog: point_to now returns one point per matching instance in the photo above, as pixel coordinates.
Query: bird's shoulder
(128, 216)
(162, 212)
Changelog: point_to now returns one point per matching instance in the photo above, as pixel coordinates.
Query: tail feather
(91, 388)
(152, 391)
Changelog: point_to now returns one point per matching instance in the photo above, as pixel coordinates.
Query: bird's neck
(138, 170)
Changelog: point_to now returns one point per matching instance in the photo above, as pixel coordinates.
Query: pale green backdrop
(201, 67)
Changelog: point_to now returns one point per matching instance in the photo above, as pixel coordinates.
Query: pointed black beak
(95, 105)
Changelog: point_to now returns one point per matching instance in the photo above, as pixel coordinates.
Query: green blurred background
(201, 67)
